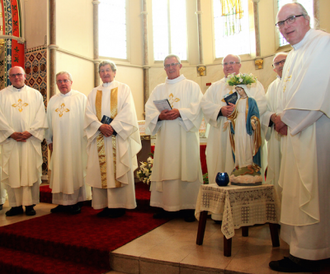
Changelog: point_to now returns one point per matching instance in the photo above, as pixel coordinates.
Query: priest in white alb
(68, 143)
(304, 121)
(176, 175)
(272, 137)
(113, 142)
(22, 125)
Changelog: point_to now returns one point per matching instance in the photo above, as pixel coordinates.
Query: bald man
(303, 118)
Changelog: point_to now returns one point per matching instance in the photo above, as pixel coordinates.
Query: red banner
(17, 48)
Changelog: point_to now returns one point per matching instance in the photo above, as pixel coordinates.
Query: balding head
(278, 62)
(293, 22)
(231, 64)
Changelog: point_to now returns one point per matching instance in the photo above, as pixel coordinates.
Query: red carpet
(79, 243)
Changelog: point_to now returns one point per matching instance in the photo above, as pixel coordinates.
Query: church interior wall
(133, 77)
(268, 47)
(35, 23)
(74, 26)
(324, 8)
(74, 32)
(82, 71)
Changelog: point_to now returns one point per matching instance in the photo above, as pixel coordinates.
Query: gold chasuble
(100, 138)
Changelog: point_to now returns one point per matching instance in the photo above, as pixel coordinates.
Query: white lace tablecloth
(238, 205)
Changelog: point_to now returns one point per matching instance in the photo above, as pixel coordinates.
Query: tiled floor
(171, 248)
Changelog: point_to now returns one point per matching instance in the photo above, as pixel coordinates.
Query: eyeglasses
(230, 63)
(289, 20)
(169, 65)
(105, 70)
(278, 63)
(17, 74)
(65, 81)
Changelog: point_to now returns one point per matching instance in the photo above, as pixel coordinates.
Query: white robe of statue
(128, 144)
(22, 110)
(176, 175)
(65, 115)
(305, 172)
(243, 141)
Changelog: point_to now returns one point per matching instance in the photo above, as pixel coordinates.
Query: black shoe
(104, 213)
(286, 265)
(161, 214)
(58, 209)
(117, 212)
(29, 211)
(0, 207)
(75, 209)
(189, 215)
(15, 210)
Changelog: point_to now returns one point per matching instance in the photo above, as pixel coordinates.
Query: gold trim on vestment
(257, 135)
(114, 111)
(100, 141)
(100, 137)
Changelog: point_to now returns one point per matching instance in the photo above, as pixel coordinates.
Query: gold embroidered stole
(100, 137)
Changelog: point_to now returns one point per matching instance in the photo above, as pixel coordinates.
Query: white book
(162, 104)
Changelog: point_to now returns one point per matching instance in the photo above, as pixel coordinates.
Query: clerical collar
(66, 94)
(18, 89)
(298, 45)
(105, 85)
(176, 80)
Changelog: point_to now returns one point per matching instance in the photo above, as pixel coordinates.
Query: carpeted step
(45, 194)
(16, 261)
(83, 238)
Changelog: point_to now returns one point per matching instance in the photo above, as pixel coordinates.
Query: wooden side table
(239, 206)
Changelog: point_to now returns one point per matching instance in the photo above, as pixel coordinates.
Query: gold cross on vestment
(172, 100)
(286, 79)
(20, 105)
(61, 110)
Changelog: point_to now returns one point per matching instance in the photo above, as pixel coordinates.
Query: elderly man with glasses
(272, 137)
(176, 175)
(113, 140)
(219, 155)
(66, 139)
(303, 118)
(22, 125)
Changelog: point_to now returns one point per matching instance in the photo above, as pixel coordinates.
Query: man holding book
(113, 142)
(176, 174)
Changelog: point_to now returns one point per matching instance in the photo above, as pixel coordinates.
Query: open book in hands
(162, 104)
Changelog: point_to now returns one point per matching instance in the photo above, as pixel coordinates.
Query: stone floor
(171, 248)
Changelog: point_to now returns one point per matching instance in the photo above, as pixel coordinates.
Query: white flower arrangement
(241, 79)
(145, 170)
